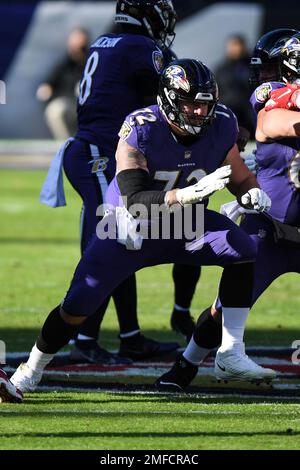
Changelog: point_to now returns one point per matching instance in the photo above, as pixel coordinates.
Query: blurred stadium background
(33, 35)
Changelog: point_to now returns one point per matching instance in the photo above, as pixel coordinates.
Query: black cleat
(97, 355)
(183, 323)
(138, 347)
(178, 377)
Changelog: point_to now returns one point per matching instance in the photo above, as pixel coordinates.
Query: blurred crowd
(59, 91)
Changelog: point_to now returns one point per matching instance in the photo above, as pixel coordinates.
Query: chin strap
(193, 130)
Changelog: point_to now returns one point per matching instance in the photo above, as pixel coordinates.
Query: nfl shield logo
(262, 233)
(187, 154)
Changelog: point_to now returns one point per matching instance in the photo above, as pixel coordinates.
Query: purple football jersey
(172, 164)
(278, 167)
(111, 86)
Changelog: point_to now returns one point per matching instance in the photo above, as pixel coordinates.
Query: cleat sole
(6, 397)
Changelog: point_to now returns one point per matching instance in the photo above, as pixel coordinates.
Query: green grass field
(38, 252)
(113, 421)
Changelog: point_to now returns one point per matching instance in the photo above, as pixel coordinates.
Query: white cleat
(26, 379)
(235, 365)
(8, 392)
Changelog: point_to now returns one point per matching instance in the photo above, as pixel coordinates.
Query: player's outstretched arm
(242, 179)
(135, 183)
(244, 185)
(277, 124)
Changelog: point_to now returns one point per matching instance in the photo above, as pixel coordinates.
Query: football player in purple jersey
(121, 74)
(170, 156)
(276, 236)
(265, 73)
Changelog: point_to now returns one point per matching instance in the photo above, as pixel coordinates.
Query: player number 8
(86, 82)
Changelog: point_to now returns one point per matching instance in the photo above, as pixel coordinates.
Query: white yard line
(202, 396)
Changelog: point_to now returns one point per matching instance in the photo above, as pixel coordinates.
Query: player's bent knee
(71, 319)
(246, 248)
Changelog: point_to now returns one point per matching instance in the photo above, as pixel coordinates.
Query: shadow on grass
(132, 398)
(22, 339)
(161, 435)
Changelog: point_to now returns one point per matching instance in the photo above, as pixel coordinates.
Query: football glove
(233, 210)
(256, 199)
(251, 162)
(287, 97)
(205, 187)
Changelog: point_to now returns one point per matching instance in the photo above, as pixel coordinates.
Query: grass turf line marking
(137, 413)
(203, 395)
